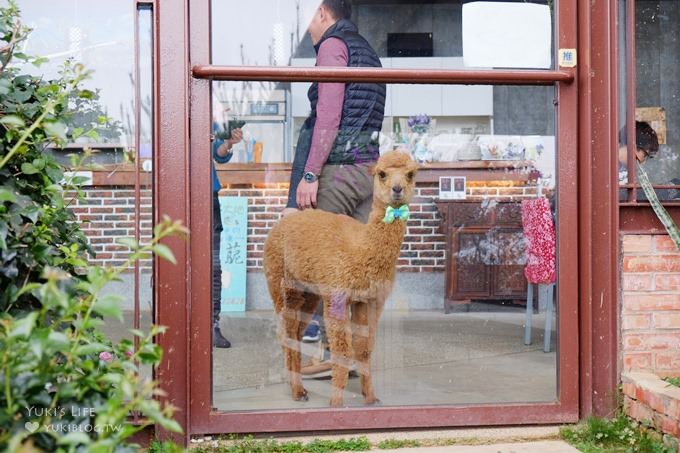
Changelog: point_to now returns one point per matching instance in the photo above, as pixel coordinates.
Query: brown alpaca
(313, 256)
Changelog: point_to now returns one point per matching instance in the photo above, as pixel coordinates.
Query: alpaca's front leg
(365, 318)
(339, 332)
(294, 317)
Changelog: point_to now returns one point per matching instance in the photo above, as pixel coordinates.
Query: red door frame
(182, 191)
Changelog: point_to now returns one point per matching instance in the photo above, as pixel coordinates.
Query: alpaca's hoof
(301, 396)
(373, 402)
(336, 403)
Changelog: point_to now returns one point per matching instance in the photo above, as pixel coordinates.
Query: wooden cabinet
(485, 254)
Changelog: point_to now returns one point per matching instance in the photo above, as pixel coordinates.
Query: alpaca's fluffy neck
(383, 239)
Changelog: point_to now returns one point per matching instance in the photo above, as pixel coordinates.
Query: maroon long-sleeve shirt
(332, 52)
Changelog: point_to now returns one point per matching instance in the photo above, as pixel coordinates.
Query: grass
(673, 381)
(250, 445)
(388, 444)
(618, 435)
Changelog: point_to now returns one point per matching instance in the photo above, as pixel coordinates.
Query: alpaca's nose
(397, 189)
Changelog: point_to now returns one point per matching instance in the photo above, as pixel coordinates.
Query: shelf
(473, 170)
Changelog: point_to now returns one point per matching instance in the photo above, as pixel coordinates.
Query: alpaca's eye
(409, 175)
(382, 174)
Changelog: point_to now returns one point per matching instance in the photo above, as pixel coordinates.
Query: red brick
(658, 263)
(667, 360)
(667, 282)
(637, 361)
(633, 243)
(639, 411)
(637, 282)
(673, 406)
(114, 201)
(98, 194)
(651, 302)
(637, 322)
(629, 389)
(668, 425)
(646, 342)
(430, 254)
(108, 210)
(423, 246)
(667, 321)
(268, 216)
(664, 243)
(422, 215)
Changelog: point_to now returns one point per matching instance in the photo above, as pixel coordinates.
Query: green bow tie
(392, 214)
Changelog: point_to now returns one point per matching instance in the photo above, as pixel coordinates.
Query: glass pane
(656, 95)
(403, 34)
(453, 328)
(101, 35)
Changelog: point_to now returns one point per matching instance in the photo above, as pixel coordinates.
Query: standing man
(221, 153)
(338, 141)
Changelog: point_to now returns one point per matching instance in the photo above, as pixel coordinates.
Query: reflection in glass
(453, 329)
(656, 95)
(101, 36)
(404, 34)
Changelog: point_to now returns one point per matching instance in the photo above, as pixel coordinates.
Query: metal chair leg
(529, 315)
(548, 317)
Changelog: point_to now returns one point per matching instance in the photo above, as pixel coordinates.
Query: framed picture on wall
(452, 187)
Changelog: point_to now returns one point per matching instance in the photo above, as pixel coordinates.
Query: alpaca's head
(394, 177)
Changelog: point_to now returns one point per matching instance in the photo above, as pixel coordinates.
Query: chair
(539, 234)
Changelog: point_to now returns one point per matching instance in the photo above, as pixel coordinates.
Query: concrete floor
(421, 358)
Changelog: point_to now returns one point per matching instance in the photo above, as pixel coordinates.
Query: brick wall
(107, 214)
(424, 246)
(650, 321)
(650, 400)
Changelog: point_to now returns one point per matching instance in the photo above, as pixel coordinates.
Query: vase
(419, 145)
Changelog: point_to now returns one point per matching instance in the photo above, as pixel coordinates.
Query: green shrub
(63, 385)
(618, 435)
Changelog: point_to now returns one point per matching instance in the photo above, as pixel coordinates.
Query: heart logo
(31, 426)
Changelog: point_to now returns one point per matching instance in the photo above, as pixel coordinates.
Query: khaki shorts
(346, 189)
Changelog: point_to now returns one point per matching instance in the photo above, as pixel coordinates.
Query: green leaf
(57, 341)
(91, 348)
(109, 305)
(128, 242)
(39, 163)
(164, 252)
(39, 61)
(74, 438)
(12, 121)
(28, 169)
(4, 86)
(87, 94)
(6, 195)
(56, 129)
(24, 326)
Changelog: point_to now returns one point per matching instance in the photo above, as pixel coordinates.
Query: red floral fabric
(539, 234)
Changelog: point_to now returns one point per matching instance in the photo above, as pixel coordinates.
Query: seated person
(647, 146)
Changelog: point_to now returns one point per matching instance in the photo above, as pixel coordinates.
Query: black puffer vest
(364, 106)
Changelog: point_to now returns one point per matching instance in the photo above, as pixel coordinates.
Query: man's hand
(225, 147)
(306, 194)
(236, 136)
(287, 211)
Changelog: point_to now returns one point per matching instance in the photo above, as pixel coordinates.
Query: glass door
(485, 280)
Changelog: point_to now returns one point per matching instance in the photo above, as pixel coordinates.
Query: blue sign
(233, 252)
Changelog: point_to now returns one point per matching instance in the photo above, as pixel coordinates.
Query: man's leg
(348, 190)
(218, 339)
